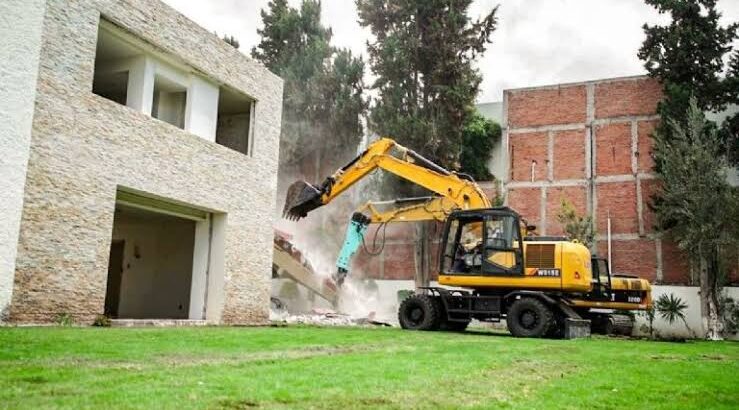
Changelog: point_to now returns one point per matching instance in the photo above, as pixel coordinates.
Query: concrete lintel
(615, 178)
(544, 184)
(623, 119)
(547, 128)
(625, 236)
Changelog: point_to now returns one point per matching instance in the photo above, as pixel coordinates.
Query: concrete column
(140, 94)
(217, 269)
(201, 114)
(200, 261)
(21, 27)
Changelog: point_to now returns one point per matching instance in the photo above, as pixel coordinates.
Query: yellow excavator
(491, 265)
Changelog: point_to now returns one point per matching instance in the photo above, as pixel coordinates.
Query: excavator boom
(463, 193)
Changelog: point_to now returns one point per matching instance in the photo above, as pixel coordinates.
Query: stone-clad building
(139, 165)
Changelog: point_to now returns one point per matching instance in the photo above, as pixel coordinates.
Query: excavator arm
(454, 191)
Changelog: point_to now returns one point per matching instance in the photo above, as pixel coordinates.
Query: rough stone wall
(20, 31)
(591, 143)
(85, 146)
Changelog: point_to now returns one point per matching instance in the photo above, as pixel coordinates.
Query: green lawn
(303, 367)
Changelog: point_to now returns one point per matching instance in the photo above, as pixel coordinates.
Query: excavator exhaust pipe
(301, 198)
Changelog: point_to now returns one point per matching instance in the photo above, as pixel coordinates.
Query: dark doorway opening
(115, 272)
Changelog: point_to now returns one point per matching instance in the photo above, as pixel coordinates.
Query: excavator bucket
(301, 198)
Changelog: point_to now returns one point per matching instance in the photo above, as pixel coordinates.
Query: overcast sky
(538, 42)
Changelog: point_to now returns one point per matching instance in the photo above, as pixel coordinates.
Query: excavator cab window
(482, 243)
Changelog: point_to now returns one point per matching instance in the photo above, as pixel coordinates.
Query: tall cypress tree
(422, 54)
(323, 101)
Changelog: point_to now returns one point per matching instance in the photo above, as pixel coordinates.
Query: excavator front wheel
(419, 312)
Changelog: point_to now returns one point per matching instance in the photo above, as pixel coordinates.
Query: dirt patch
(184, 360)
(238, 404)
(715, 357)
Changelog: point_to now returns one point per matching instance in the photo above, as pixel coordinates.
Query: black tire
(419, 312)
(529, 317)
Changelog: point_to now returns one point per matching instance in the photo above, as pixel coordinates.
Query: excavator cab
(482, 242)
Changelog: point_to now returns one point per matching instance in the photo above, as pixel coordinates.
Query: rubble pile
(323, 317)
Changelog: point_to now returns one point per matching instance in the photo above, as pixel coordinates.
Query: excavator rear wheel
(529, 317)
(419, 312)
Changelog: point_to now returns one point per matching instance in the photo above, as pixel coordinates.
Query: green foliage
(575, 226)
(232, 41)
(671, 308)
(64, 319)
(101, 321)
(650, 314)
(688, 56)
(695, 203)
(696, 206)
(689, 51)
(478, 139)
(422, 56)
(323, 101)
(729, 310)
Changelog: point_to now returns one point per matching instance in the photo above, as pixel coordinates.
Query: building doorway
(166, 260)
(150, 269)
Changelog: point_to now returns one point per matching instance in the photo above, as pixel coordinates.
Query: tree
(696, 205)
(323, 102)
(576, 226)
(478, 138)
(232, 41)
(689, 52)
(422, 55)
(688, 56)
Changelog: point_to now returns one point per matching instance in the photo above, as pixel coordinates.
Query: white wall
(689, 294)
(157, 267)
(497, 164)
(146, 68)
(21, 23)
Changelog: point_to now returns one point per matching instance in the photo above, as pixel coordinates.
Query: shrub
(64, 319)
(101, 321)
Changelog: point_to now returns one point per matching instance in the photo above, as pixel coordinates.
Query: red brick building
(590, 143)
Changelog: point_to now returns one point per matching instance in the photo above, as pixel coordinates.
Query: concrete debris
(323, 317)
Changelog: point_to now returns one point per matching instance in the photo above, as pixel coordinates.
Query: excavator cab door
(482, 242)
(601, 280)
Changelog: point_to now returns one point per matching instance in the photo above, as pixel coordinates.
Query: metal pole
(610, 264)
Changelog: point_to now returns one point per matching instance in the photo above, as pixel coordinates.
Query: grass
(304, 367)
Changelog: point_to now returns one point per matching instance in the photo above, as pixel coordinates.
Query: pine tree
(422, 54)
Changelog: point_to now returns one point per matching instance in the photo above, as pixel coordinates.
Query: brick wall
(590, 143)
